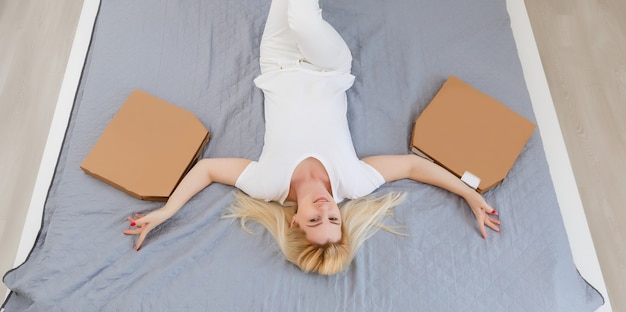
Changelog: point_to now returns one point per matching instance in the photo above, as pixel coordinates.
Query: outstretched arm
(397, 167)
(203, 173)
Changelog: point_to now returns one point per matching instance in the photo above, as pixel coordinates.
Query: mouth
(321, 199)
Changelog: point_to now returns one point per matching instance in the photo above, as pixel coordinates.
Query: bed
(203, 56)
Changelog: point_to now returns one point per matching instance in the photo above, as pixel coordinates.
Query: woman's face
(319, 217)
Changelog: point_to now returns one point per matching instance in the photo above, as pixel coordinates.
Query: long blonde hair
(361, 218)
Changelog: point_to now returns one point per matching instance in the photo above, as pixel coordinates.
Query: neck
(310, 174)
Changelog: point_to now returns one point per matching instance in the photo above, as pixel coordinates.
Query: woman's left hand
(397, 167)
(483, 213)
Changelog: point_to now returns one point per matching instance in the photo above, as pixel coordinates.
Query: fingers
(141, 229)
(483, 232)
(485, 218)
(493, 220)
(133, 231)
(137, 222)
(142, 236)
(481, 225)
(493, 223)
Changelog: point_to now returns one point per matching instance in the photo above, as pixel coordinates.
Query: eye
(314, 219)
(333, 219)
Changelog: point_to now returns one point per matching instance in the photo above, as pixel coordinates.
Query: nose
(323, 207)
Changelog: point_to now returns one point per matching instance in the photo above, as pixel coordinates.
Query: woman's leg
(278, 44)
(318, 41)
(294, 31)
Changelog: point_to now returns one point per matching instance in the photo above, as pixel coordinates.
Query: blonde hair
(361, 218)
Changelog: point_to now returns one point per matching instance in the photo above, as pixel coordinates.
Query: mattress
(203, 56)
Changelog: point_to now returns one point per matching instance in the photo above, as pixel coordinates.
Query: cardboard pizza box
(147, 148)
(470, 134)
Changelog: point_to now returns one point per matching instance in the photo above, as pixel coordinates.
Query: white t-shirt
(305, 116)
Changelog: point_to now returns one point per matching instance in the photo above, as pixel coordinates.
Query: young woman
(308, 156)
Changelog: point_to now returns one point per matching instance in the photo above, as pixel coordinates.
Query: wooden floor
(35, 41)
(582, 44)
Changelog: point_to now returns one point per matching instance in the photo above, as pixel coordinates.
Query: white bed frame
(574, 218)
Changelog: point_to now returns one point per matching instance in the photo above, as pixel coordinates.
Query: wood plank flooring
(35, 41)
(582, 44)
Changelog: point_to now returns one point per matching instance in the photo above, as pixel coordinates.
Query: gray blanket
(203, 55)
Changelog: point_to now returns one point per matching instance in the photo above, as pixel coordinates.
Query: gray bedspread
(203, 55)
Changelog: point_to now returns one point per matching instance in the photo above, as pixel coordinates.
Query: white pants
(295, 34)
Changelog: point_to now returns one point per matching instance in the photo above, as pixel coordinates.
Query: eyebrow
(319, 223)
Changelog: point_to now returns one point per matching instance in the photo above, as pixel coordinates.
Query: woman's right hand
(144, 224)
(203, 173)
